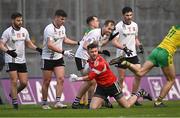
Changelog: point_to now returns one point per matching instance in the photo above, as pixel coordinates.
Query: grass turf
(147, 110)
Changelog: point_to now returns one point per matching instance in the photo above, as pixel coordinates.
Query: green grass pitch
(147, 110)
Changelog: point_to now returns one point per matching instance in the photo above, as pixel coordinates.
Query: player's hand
(68, 53)
(12, 53)
(39, 50)
(127, 51)
(74, 77)
(112, 36)
(141, 49)
(106, 52)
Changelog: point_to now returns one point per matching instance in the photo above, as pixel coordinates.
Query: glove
(112, 36)
(141, 49)
(39, 50)
(127, 51)
(105, 52)
(68, 53)
(74, 77)
(12, 53)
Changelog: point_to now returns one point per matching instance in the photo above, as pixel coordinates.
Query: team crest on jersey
(96, 63)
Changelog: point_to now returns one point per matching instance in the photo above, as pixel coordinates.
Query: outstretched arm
(71, 42)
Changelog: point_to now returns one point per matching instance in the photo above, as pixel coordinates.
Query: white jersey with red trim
(15, 40)
(127, 36)
(57, 35)
(94, 35)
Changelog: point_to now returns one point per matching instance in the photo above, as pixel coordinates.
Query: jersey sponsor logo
(18, 35)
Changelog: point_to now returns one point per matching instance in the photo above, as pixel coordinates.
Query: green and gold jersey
(87, 30)
(172, 40)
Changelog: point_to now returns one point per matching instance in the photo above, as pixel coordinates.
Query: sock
(138, 94)
(89, 100)
(44, 102)
(77, 100)
(58, 99)
(133, 94)
(14, 101)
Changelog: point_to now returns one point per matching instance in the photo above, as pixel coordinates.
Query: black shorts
(80, 63)
(22, 68)
(112, 91)
(51, 64)
(133, 60)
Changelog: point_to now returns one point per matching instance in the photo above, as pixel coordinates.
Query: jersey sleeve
(136, 30)
(95, 71)
(5, 36)
(117, 29)
(48, 33)
(90, 37)
(27, 35)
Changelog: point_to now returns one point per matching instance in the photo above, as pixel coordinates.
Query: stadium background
(154, 18)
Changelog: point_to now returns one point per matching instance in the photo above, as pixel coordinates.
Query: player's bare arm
(53, 47)
(70, 41)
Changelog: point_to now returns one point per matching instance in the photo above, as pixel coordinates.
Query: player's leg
(98, 98)
(80, 64)
(13, 75)
(47, 71)
(59, 73)
(23, 77)
(147, 66)
(127, 103)
(122, 74)
(47, 74)
(96, 102)
(82, 90)
(13, 79)
(91, 91)
(169, 72)
(136, 84)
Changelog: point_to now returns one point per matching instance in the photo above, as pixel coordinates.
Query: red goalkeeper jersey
(101, 72)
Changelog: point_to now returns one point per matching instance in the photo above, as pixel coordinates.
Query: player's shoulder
(97, 30)
(100, 59)
(23, 29)
(94, 32)
(8, 29)
(120, 23)
(134, 23)
(49, 26)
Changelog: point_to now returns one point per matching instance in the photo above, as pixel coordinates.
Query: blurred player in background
(13, 42)
(128, 37)
(107, 84)
(52, 57)
(100, 36)
(93, 23)
(161, 56)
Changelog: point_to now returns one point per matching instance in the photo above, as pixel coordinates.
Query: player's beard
(17, 26)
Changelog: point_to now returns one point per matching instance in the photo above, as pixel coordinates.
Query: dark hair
(15, 15)
(106, 23)
(126, 9)
(89, 19)
(60, 12)
(92, 45)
